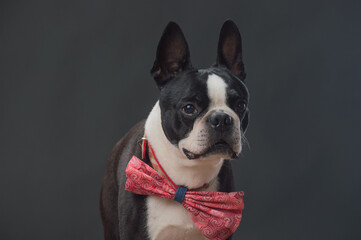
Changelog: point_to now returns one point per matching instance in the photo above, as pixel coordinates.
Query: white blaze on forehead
(216, 90)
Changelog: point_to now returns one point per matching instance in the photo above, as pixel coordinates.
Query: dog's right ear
(172, 55)
(230, 49)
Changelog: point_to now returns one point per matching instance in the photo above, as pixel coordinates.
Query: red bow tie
(216, 214)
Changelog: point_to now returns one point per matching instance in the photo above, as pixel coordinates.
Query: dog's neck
(190, 173)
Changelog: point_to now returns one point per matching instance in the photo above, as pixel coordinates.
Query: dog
(195, 128)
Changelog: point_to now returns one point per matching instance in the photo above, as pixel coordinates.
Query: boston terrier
(195, 128)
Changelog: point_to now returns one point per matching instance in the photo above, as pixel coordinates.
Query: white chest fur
(167, 219)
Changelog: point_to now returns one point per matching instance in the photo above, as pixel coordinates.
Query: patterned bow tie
(216, 214)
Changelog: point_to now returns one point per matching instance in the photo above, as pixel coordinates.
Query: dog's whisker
(245, 141)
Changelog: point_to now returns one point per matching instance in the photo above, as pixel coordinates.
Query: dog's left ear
(172, 55)
(229, 53)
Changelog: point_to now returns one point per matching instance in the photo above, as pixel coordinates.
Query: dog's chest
(167, 219)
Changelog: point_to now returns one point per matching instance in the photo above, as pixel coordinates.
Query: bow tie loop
(143, 178)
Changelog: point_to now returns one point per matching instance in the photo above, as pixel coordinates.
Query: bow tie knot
(216, 214)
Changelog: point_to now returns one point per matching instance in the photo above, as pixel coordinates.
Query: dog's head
(204, 112)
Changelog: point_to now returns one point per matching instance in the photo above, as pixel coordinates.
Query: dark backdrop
(75, 77)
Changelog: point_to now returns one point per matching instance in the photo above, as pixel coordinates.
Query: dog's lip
(217, 146)
(190, 155)
(221, 143)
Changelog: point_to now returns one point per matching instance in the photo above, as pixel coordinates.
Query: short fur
(193, 148)
(112, 193)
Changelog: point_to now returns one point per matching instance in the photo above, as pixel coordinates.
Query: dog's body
(194, 129)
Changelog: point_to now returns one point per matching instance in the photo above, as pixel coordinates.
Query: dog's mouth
(221, 147)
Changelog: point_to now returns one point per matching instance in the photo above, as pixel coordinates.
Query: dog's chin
(221, 149)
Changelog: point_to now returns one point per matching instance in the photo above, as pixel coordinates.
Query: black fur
(172, 55)
(190, 87)
(229, 53)
(187, 87)
(181, 84)
(124, 213)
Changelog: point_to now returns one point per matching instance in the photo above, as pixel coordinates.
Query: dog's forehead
(213, 84)
(222, 85)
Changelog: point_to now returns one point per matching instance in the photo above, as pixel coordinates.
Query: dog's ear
(245, 120)
(229, 53)
(172, 55)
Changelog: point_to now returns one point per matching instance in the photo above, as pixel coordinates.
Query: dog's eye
(241, 107)
(189, 109)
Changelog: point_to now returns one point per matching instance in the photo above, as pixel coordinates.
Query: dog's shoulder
(124, 149)
(113, 189)
(129, 143)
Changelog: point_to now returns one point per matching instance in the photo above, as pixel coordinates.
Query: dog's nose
(220, 120)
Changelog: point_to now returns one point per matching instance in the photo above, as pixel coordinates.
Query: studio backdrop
(74, 78)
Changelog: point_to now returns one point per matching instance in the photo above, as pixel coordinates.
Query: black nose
(220, 120)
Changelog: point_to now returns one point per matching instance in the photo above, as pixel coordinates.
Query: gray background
(74, 77)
